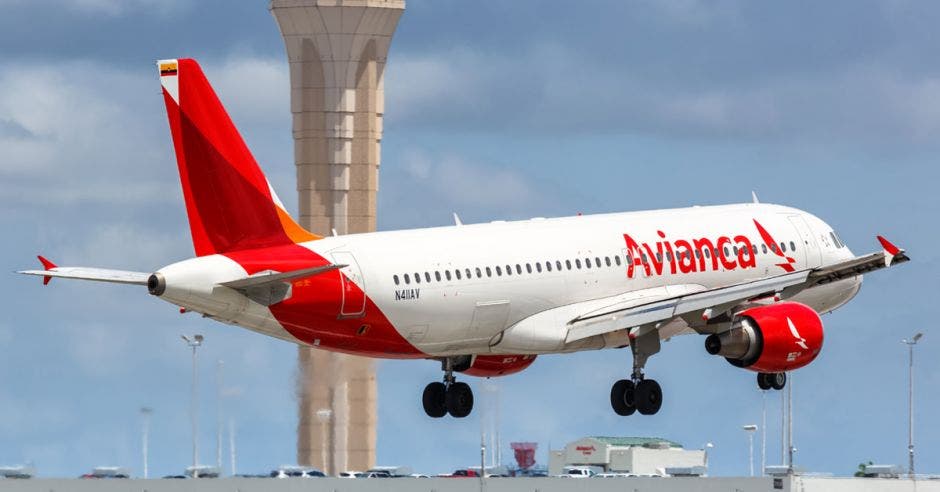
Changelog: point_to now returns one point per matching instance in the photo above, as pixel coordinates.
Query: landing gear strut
(768, 380)
(448, 396)
(638, 393)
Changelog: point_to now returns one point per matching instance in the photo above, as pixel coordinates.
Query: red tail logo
(229, 202)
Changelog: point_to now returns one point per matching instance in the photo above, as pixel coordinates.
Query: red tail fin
(230, 204)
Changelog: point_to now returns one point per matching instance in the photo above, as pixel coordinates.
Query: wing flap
(618, 317)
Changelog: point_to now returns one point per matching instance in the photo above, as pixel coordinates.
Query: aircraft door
(353, 285)
(807, 244)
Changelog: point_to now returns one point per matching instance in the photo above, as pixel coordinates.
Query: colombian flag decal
(168, 69)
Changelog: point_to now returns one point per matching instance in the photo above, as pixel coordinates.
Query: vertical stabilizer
(230, 203)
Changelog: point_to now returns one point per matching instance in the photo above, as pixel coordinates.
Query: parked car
(578, 472)
(296, 472)
(108, 472)
(463, 473)
(352, 474)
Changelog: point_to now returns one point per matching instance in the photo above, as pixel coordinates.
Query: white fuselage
(495, 311)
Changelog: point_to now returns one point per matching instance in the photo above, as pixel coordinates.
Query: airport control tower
(337, 51)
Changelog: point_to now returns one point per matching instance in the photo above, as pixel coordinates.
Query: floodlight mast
(910, 401)
(750, 428)
(194, 343)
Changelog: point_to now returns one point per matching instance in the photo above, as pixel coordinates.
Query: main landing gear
(768, 380)
(448, 396)
(638, 393)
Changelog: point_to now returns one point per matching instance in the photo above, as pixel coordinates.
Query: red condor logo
(699, 255)
(585, 449)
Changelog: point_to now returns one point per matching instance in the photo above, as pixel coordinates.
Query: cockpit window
(835, 238)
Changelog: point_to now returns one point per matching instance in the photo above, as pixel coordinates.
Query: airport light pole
(910, 401)
(194, 343)
(220, 365)
(145, 412)
(705, 448)
(763, 432)
(750, 428)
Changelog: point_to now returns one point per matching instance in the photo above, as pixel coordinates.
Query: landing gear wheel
(778, 380)
(434, 400)
(459, 400)
(623, 397)
(763, 381)
(649, 397)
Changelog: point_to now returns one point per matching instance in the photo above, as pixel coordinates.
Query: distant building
(633, 455)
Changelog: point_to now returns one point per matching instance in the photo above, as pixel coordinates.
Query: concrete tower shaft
(337, 51)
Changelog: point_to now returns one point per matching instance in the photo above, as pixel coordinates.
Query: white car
(577, 472)
(352, 474)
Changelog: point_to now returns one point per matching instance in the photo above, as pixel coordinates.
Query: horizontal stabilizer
(270, 276)
(86, 273)
(271, 287)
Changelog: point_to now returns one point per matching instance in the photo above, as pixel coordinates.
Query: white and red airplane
(486, 299)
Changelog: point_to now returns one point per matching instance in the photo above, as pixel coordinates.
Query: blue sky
(496, 110)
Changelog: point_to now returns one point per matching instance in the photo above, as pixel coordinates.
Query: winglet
(457, 221)
(890, 248)
(754, 197)
(46, 265)
(891, 251)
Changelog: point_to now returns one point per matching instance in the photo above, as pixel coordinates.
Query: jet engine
(770, 339)
(488, 366)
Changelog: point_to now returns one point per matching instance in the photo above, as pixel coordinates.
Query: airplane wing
(712, 302)
(51, 270)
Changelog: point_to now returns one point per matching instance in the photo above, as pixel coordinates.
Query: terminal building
(633, 455)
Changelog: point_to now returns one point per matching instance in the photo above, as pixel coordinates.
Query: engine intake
(775, 338)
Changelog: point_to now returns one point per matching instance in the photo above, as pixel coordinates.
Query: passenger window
(489, 273)
(698, 254)
(395, 278)
(427, 276)
(407, 280)
(519, 269)
(499, 271)
(437, 275)
(597, 262)
(417, 278)
(643, 258)
(457, 273)
(783, 247)
(577, 263)
(792, 246)
(735, 249)
(753, 250)
(447, 275)
(587, 263)
(558, 265)
(479, 273)
(528, 267)
(469, 275)
(568, 264)
(508, 270)
(538, 267)
(548, 266)
(617, 260)
(708, 253)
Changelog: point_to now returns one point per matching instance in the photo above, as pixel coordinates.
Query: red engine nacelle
(488, 366)
(775, 338)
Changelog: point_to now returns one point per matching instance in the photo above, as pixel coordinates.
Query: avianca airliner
(487, 299)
